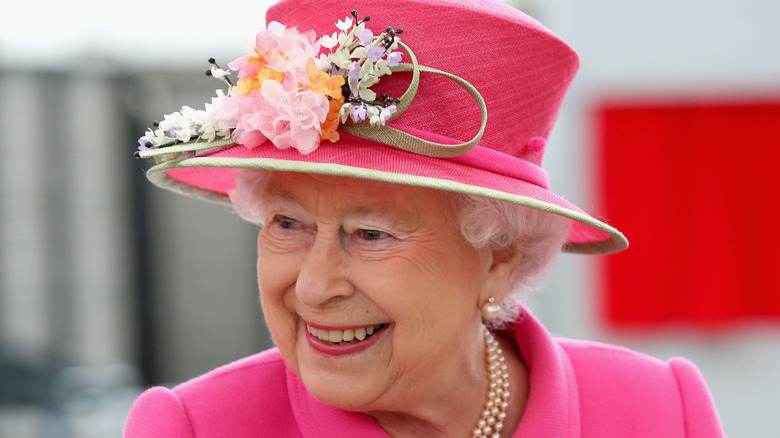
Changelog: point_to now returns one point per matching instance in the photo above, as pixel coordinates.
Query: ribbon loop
(402, 140)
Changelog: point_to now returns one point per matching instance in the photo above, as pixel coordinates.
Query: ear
(501, 266)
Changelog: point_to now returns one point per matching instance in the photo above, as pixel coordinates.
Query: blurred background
(109, 285)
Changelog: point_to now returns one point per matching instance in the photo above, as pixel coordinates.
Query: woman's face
(380, 265)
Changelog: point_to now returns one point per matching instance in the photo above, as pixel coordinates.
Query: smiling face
(380, 268)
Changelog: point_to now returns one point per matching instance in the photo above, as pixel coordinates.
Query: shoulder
(240, 399)
(671, 395)
(598, 359)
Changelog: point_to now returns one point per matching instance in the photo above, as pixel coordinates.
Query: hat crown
(520, 68)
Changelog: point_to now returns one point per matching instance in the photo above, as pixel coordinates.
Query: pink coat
(578, 389)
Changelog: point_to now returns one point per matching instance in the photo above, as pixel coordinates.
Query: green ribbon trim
(402, 140)
(159, 153)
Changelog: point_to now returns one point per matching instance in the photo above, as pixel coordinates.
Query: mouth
(344, 337)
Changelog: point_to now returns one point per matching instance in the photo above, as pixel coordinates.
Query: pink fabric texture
(577, 389)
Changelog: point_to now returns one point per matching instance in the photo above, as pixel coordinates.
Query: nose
(323, 280)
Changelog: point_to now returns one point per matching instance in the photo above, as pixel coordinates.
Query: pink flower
(288, 116)
(250, 120)
(243, 66)
(286, 49)
(250, 139)
(282, 49)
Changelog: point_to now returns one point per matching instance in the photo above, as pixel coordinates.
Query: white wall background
(659, 48)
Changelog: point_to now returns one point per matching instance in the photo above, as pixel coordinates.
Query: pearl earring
(491, 310)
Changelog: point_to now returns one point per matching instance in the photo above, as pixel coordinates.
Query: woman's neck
(450, 403)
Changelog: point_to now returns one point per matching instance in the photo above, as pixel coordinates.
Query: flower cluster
(289, 92)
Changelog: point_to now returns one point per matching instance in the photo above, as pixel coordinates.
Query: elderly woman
(398, 231)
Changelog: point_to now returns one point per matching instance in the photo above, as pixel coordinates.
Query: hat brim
(211, 177)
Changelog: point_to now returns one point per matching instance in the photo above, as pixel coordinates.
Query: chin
(352, 382)
(342, 393)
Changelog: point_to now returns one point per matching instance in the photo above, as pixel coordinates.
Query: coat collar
(553, 402)
(552, 409)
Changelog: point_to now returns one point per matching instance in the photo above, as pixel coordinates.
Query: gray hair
(484, 223)
(537, 235)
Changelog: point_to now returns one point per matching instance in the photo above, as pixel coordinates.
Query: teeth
(323, 335)
(360, 333)
(348, 335)
(335, 335)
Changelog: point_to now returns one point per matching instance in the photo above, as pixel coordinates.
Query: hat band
(497, 162)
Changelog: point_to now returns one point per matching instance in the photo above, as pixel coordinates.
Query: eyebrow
(278, 192)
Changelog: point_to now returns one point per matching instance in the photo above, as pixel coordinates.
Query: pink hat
(475, 89)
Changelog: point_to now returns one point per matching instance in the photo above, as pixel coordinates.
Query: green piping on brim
(158, 177)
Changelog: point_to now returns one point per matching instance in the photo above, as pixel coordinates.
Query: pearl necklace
(493, 416)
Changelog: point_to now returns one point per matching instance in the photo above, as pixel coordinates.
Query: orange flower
(323, 83)
(331, 124)
(260, 58)
(330, 86)
(254, 82)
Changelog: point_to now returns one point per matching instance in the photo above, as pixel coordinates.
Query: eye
(287, 222)
(373, 235)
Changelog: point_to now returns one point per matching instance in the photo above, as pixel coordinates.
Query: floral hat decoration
(335, 96)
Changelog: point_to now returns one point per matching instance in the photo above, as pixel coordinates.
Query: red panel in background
(696, 189)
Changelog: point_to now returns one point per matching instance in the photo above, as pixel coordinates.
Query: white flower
(341, 59)
(207, 132)
(322, 62)
(184, 133)
(344, 112)
(342, 39)
(370, 80)
(386, 113)
(367, 94)
(158, 137)
(218, 72)
(360, 52)
(359, 28)
(329, 42)
(366, 72)
(170, 121)
(189, 115)
(344, 25)
(381, 68)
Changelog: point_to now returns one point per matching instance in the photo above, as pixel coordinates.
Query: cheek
(425, 292)
(276, 272)
(276, 279)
